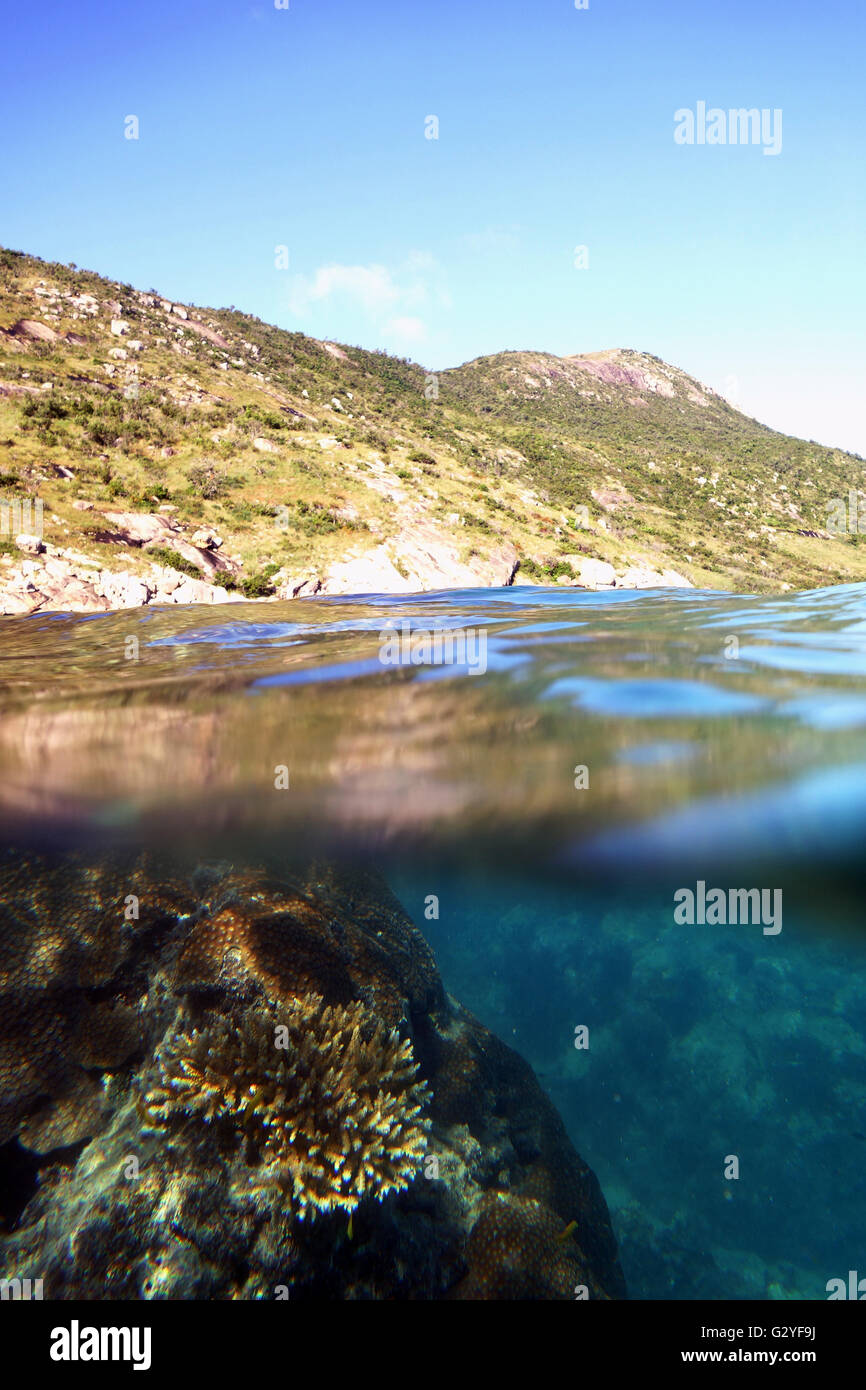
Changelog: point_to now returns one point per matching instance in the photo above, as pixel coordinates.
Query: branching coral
(325, 1095)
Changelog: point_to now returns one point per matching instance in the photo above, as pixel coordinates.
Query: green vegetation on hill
(300, 453)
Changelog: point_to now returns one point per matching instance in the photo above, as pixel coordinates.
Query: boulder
(644, 577)
(123, 590)
(31, 328)
(297, 586)
(207, 540)
(166, 581)
(205, 560)
(13, 603)
(70, 595)
(196, 591)
(596, 574)
(140, 527)
(31, 545)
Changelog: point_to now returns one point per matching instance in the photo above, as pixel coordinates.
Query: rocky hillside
(157, 452)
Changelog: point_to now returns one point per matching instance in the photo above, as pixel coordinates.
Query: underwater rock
(221, 1082)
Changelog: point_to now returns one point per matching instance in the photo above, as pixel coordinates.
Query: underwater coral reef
(237, 1082)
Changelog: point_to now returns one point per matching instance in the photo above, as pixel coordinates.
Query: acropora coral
(325, 1096)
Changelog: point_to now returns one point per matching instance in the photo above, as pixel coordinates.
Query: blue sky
(305, 128)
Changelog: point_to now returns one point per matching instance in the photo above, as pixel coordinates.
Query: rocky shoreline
(56, 579)
(50, 578)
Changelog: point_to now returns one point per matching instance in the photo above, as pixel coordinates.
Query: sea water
(630, 825)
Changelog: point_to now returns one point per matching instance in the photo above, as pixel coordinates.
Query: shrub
(478, 522)
(259, 585)
(207, 481)
(315, 520)
(42, 409)
(164, 555)
(548, 569)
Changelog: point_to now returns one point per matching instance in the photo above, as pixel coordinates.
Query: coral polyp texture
(324, 1095)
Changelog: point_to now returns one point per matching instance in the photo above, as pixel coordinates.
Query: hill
(183, 454)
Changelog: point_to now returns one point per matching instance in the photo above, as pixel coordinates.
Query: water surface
(537, 819)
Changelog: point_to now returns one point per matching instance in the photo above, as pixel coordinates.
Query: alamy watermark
(77, 1343)
(21, 517)
(21, 1290)
(736, 126)
(447, 646)
(854, 1288)
(736, 907)
(847, 520)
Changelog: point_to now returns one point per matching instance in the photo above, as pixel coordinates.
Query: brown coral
(63, 937)
(313, 932)
(517, 1249)
(325, 1095)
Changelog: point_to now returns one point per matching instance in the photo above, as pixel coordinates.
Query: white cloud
(393, 299)
(371, 286)
(407, 329)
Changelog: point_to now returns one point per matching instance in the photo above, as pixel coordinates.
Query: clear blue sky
(305, 127)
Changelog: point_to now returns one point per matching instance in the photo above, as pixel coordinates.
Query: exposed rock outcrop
(424, 558)
(599, 574)
(65, 580)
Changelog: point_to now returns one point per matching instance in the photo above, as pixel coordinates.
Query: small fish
(352, 1226)
(569, 1231)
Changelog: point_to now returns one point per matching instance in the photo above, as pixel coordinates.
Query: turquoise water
(704, 1042)
(541, 808)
